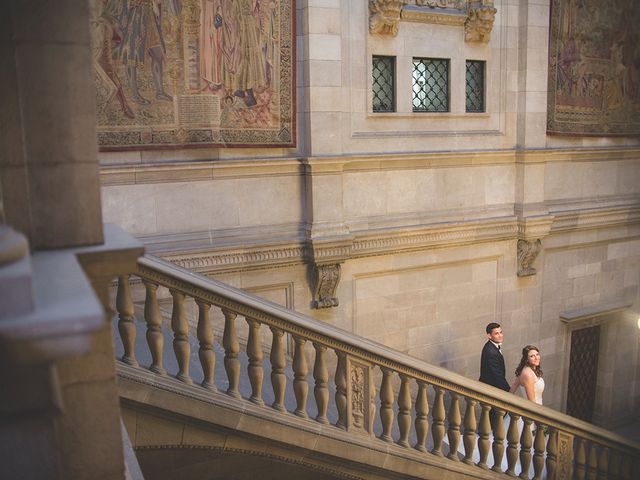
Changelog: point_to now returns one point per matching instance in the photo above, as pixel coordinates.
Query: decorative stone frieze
(327, 279)
(527, 253)
(477, 16)
(479, 23)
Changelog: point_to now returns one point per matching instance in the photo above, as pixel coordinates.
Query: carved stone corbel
(384, 16)
(479, 23)
(531, 229)
(527, 253)
(327, 279)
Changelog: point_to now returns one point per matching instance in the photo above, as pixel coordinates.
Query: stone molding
(142, 174)
(392, 240)
(477, 16)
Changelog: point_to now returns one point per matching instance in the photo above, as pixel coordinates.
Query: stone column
(50, 188)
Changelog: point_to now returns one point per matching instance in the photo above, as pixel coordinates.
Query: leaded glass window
(384, 84)
(430, 85)
(475, 86)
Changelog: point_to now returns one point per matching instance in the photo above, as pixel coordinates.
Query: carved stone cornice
(477, 16)
(534, 227)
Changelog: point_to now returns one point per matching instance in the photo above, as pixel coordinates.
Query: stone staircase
(251, 386)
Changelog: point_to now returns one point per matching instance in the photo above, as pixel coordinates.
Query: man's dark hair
(491, 326)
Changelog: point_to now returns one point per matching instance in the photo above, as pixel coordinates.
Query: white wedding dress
(538, 389)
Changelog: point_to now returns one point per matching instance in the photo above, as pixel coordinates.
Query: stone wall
(423, 211)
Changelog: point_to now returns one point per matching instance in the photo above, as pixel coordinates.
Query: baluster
(513, 435)
(552, 453)
(205, 353)
(126, 325)
(372, 401)
(404, 411)
(231, 349)
(155, 338)
(484, 430)
(538, 452)
(422, 417)
(453, 432)
(278, 362)
(300, 371)
(580, 460)
(321, 377)
(255, 370)
(498, 440)
(614, 465)
(526, 440)
(180, 327)
(603, 463)
(341, 390)
(592, 462)
(437, 425)
(386, 404)
(469, 439)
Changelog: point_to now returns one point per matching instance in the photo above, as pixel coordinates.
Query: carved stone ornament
(479, 22)
(527, 253)
(384, 16)
(358, 396)
(327, 279)
(477, 16)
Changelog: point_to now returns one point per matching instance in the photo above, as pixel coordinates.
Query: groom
(492, 369)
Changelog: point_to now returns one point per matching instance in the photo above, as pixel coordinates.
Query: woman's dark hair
(524, 361)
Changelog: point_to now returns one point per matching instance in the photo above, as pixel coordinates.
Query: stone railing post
(278, 363)
(341, 389)
(404, 411)
(422, 417)
(255, 369)
(300, 371)
(155, 338)
(231, 349)
(321, 378)
(437, 426)
(205, 352)
(126, 324)
(359, 391)
(484, 431)
(469, 439)
(180, 327)
(386, 404)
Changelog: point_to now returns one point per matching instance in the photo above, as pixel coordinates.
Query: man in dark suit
(492, 369)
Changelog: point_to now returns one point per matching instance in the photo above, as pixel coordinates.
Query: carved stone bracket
(531, 229)
(327, 279)
(384, 16)
(479, 23)
(527, 253)
(477, 16)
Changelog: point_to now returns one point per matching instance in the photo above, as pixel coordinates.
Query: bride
(529, 375)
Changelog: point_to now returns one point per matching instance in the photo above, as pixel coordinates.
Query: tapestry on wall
(184, 73)
(594, 68)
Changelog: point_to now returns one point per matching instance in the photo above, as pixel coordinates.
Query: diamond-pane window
(383, 84)
(475, 86)
(430, 85)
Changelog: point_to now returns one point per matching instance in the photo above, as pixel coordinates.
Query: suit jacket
(492, 370)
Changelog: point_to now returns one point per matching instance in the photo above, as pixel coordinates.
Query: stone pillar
(49, 170)
(533, 33)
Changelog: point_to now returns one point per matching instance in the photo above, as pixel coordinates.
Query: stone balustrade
(421, 406)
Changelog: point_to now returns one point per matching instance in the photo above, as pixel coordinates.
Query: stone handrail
(540, 442)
